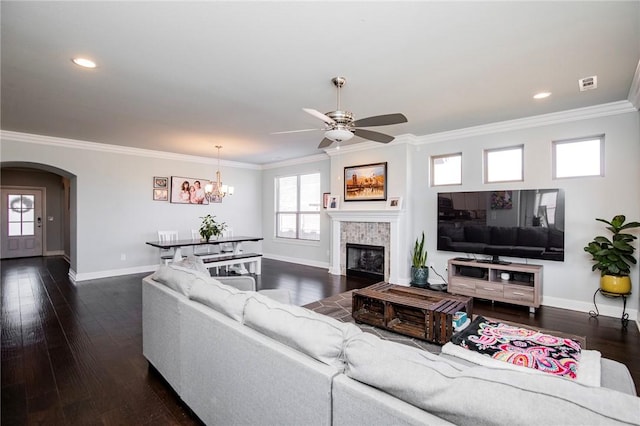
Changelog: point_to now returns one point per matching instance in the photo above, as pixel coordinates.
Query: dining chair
(167, 255)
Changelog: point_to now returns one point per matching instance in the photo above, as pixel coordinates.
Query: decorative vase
(419, 276)
(615, 284)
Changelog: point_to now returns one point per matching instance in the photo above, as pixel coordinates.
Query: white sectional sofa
(241, 358)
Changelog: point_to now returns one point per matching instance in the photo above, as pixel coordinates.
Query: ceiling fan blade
(325, 143)
(293, 131)
(373, 136)
(380, 120)
(318, 114)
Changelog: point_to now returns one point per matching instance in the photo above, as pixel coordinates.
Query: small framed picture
(394, 203)
(161, 194)
(161, 182)
(325, 199)
(334, 202)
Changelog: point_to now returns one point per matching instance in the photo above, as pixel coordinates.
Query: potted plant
(210, 227)
(613, 258)
(419, 269)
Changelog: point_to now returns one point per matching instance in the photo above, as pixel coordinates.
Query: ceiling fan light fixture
(338, 135)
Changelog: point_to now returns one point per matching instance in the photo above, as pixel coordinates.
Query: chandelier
(215, 191)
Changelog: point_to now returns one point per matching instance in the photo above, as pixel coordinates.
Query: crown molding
(603, 110)
(295, 161)
(406, 138)
(634, 90)
(116, 149)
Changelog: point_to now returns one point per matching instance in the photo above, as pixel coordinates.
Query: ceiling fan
(340, 125)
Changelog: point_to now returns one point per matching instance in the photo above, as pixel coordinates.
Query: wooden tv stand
(483, 280)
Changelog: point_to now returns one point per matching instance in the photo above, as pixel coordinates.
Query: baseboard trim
(608, 310)
(76, 278)
(54, 253)
(297, 260)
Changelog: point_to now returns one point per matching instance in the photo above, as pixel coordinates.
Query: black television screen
(526, 223)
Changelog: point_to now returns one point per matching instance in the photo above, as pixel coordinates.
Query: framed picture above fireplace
(367, 182)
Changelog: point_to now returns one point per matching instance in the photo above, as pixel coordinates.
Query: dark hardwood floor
(72, 355)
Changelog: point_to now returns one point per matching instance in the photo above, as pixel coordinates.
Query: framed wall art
(188, 190)
(161, 182)
(160, 194)
(334, 202)
(394, 203)
(325, 200)
(365, 183)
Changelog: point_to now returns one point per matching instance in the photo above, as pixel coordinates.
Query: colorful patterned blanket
(521, 346)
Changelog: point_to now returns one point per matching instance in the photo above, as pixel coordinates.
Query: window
(298, 207)
(589, 151)
(21, 215)
(504, 164)
(446, 169)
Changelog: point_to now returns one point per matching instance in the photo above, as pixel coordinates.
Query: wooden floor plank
(72, 354)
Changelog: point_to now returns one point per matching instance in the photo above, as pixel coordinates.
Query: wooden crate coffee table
(412, 311)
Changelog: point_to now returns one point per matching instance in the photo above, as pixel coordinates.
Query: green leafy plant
(419, 254)
(210, 227)
(614, 256)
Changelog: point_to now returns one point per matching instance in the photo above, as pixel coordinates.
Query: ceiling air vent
(588, 83)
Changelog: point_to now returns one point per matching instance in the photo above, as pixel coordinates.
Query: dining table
(177, 245)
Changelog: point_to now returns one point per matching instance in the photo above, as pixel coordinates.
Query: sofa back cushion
(476, 234)
(504, 236)
(479, 395)
(225, 299)
(313, 334)
(178, 278)
(533, 237)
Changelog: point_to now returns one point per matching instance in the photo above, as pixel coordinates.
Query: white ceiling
(185, 76)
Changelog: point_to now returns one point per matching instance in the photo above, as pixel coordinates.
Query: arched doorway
(57, 188)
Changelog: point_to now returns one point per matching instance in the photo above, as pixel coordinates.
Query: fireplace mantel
(396, 243)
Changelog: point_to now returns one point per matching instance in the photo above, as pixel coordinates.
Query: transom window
(504, 164)
(298, 207)
(446, 169)
(578, 157)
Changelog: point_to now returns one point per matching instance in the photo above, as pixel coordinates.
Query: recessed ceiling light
(541, 95)
(84, 62)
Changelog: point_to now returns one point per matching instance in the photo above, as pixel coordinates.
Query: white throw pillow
(225, 299)
(177, 278)
(316, 335)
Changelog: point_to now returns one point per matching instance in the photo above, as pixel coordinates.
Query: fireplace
(366, 261)
(374, 227)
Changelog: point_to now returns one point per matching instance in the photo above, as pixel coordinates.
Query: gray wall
(115, 211)
(55, 202)
(314, 253)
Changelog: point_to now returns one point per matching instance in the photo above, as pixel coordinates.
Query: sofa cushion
(476, 234)
(178, 278)
(533, 237)
(313, 334)
(503, 236)
(455, 233)
(481, 395)
(225, 299)
(191, 262)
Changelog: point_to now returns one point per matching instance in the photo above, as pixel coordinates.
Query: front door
(21, 223)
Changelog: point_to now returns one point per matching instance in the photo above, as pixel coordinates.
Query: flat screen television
(525, 223)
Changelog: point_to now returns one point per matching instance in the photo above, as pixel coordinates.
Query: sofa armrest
(244, 283)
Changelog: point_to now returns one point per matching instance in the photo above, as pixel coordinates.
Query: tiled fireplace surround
(371, 227)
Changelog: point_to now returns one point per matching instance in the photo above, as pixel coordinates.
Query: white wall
(569, 284)
(313, 253)
(116, 213)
